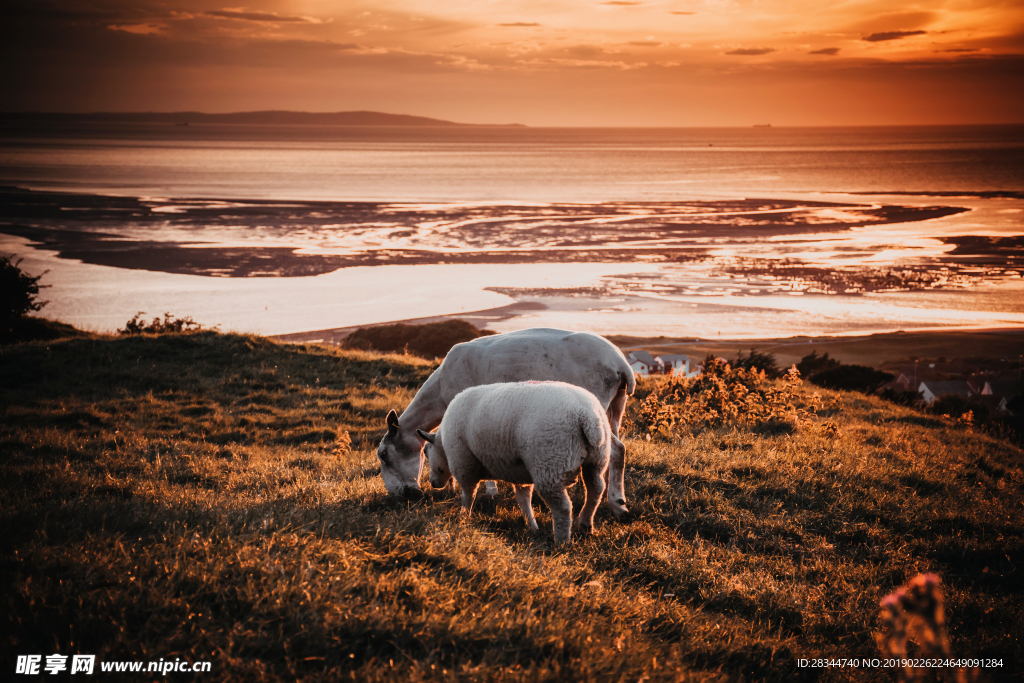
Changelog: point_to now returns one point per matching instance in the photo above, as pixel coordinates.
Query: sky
(534, 62)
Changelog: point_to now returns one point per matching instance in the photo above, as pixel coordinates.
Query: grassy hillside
(216, 498)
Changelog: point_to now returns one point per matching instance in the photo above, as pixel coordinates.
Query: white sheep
(531, 434)
(580, 358)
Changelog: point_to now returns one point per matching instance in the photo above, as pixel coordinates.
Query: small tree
(19, 291)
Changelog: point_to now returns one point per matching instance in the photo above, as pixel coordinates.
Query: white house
(676, 363)
(932, 390)
(643, 363)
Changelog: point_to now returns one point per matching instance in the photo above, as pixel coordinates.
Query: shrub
(956, 406)
(765, 362)
(432, 340)
(168, 325)
(903, 398)
(812, 364)
(19, 291)
(720, 395)
(852, 378)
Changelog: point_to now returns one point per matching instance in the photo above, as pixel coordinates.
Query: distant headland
(279, 117)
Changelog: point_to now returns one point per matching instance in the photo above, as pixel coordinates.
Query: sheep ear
(392, 420)
(426, 436)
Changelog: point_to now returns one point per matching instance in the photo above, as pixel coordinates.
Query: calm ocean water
(502, 165)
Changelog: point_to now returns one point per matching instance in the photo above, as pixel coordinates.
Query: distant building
(932, 390)
(676, 363)
(898, 385)
(643, 363)
(1002, 391)
(1002, 387)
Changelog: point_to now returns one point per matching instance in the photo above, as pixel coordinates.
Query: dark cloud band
(892, 35)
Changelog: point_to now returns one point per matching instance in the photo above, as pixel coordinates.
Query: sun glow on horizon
(557, 62)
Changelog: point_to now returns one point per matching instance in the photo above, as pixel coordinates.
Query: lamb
(531, 434)
(580, 358)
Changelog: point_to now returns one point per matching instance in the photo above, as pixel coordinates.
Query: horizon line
(419, 121)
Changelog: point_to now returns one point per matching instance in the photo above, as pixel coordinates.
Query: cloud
(585, 51)
(892, 35)
(520, 23)
(683, 13)
(831, 51)
(645, 43)
(271, 17)
(589, 64)
(751, 51)
(960, 49)
(141, 29)
(912, 20)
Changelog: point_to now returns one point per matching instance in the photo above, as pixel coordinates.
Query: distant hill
(341, 118)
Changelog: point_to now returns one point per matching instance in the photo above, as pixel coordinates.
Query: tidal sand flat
(292, 239)
(702, 232)
(701, 267)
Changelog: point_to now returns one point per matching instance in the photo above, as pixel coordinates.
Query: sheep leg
(616, 483)
(617, 408)
(561, 510)
(593, 478)
(468, 495)
(524, 496)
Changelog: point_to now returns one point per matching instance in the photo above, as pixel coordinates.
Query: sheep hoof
(622, 513)
(585, 530)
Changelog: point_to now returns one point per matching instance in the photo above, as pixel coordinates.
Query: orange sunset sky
(537, 62)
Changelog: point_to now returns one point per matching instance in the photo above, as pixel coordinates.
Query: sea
(732, 233)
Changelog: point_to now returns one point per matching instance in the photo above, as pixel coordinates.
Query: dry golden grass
(217, 498)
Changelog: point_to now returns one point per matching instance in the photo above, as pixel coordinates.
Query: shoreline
(478, 319)
(874, 348)
(732, 267)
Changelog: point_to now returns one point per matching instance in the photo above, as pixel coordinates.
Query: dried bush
(169, 325)
(720, 395)
(914, 615)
